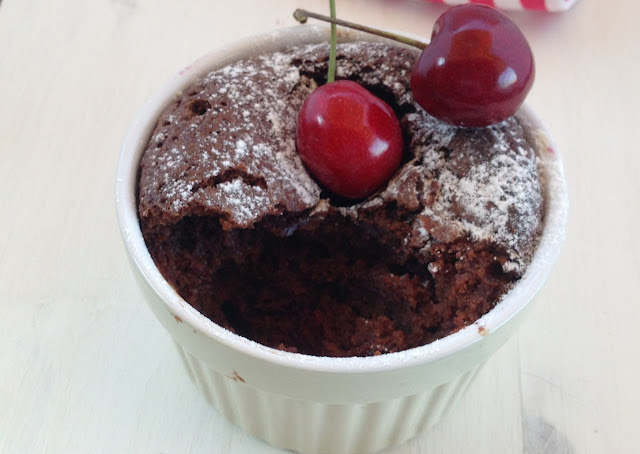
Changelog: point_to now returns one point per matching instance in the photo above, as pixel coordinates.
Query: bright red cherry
(476, 71)
(349, 139)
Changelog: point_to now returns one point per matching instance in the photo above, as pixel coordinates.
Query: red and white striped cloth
(538, 5)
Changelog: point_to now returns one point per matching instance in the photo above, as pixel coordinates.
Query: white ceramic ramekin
(314, 404)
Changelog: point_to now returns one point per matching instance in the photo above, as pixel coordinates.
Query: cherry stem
(331, 75)
(301, 15)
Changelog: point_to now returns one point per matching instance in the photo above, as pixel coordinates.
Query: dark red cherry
(349, 139)
(476, 71)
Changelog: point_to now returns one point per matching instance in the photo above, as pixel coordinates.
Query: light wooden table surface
(84, 366)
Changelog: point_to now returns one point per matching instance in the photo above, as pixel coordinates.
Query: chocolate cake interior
(330, 287)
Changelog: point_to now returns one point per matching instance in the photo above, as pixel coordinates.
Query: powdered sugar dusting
(237, 157)
(246, 199)
(227, 149)
(483, 184)
(489, 196)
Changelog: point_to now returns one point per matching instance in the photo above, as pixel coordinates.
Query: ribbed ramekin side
(315, 427)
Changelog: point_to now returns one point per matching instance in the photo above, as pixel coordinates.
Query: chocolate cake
(246, 236)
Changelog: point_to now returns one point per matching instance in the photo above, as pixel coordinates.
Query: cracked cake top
(226, 148)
